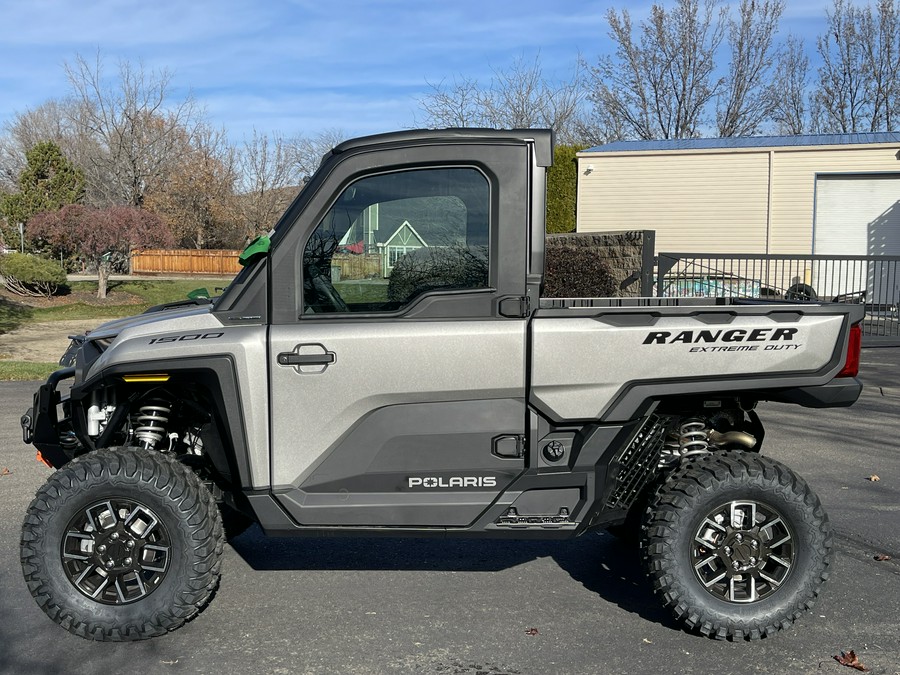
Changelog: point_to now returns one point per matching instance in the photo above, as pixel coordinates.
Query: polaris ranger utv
(384, 364)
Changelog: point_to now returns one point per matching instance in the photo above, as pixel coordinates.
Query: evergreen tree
(48, 182)
(562, 186)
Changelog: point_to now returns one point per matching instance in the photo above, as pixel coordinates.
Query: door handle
(294, 359)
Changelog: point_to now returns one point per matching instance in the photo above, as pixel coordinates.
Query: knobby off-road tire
(122, 544)
(737, 546)
(629, 532)
(234, 522)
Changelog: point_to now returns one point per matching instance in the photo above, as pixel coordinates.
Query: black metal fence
(873, 281)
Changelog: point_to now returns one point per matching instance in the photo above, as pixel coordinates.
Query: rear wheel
(737, 545)
(122, 544)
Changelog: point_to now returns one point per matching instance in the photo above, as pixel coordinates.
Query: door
(398, 391)
(858, 215)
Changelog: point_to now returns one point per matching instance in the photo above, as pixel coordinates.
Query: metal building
(822, 194)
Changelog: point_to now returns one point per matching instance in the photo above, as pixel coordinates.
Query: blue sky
(299, 67)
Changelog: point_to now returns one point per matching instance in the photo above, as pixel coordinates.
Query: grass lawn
(12, 315)
(141, 295)
(17, 371)
(362, 291)
(127, 298)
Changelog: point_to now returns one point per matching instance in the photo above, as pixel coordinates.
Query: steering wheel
(324, 290)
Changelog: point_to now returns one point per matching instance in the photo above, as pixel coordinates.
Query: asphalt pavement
(493, 607)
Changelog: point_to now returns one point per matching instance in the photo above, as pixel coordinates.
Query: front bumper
(41, 424)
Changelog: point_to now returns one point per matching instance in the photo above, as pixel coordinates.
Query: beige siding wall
(711, 202)
(794, 181)
(714, 201)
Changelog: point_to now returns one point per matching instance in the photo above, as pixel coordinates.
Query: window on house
(392, 237)
(397, 252)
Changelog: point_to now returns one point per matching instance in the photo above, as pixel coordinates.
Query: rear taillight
(851, 365)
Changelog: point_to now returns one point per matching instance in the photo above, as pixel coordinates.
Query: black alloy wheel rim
(116, 551)
(743, 551)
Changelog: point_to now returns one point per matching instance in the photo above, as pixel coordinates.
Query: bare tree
(788, 93)
(195, 195)
(744, 102)
(858, 86)
(593, 125)
(880, 33)
(517, 97)
(309, 150)
(51, 121)
(269, 180)
(660, 84)
(134, 122)
(841, 100)
(459, 103)
(520, 96)
(123, 132)
(11, 164)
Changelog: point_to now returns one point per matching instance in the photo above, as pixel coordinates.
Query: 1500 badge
(185, 338)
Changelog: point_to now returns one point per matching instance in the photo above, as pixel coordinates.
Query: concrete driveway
(431, 606)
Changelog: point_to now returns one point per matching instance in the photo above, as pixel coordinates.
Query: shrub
(31, 275)
(576, 272)
(562, 187)
(435, 268)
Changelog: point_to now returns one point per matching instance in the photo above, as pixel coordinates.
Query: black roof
(543, 139)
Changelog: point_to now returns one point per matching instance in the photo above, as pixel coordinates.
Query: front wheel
(122, 544)
(737, 545)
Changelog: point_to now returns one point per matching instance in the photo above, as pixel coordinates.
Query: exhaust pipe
(741, 438)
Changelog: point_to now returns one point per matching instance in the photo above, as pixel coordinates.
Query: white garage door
(857, 215)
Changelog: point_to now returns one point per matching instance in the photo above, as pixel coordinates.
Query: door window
(390, 238)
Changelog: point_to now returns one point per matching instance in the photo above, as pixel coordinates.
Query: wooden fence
(356, 266)
(185, 261)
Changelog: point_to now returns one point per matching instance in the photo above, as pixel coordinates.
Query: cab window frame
(506, 162)
(425, 297)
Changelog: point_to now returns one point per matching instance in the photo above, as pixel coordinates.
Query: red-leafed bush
(97, 234)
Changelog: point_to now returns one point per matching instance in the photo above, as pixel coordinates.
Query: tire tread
(144, 469)
(679, 494)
